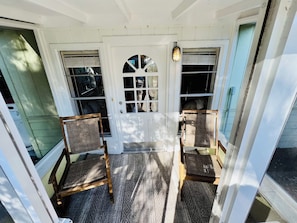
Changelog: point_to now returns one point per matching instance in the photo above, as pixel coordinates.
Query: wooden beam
(184, 6)
(124, 9)
(19, 15)
(239, 7)
(62, 8)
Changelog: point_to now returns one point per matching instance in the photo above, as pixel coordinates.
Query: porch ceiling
(121, 13)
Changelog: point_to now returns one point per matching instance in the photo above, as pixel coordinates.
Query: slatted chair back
(82, 133)
(200, 128)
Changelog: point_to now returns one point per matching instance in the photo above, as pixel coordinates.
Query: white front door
(140, 82)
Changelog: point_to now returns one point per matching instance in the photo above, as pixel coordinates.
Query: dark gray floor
(141, 191)
(141, 187)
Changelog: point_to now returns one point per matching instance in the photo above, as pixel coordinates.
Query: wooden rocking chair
(201, 153)
(82, 134)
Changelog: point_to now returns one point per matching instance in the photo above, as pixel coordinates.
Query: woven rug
(141, 189)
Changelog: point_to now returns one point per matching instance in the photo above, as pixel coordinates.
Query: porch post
(268, 104)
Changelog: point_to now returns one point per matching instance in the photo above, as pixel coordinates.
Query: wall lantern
(176, 53)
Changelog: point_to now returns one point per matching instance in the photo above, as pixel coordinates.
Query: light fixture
(176, 53)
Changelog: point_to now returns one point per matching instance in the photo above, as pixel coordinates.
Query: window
(26, 91)
(199, 69)
(140, 80)
(85, 81)
(242, 51)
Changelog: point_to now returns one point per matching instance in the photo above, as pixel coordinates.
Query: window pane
(134, 61)
(145, 60)
(153, 94)
(140, 82)
(128, 82)
(132, 65)
(27, 92)
(152, 67)
(141, 95)
(142, 107)
(95, 106)
(128, 68)
(152, 81)
(86, 82)
(191, 68)
(194, 103)
(130, 107)
(153, 106)
(196, 83)
(129, 96)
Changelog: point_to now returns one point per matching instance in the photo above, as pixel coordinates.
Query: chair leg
(59, 201)
(182, 177)
(110, 191)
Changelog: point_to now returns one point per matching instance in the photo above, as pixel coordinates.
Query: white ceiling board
(125, 13)
(239, 7)
(184, 6)
(20, 15)
(122, 5)
(62, 8)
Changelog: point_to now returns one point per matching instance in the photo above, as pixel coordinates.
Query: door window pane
(129, 96)
(131, 65)
(128, 82)
(152, 81)
(140, 82)
(143, 89)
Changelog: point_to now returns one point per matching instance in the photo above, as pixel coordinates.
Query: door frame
(109, 43)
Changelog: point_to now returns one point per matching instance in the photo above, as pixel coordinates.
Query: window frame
(72, 59)
(197, 52)
(221, 72)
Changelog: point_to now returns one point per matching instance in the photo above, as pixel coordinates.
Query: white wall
(84, 37)
(95, 35)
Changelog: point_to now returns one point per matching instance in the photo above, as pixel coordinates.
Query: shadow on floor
(141, 190)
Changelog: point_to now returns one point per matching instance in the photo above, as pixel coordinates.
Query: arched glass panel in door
(140, 78)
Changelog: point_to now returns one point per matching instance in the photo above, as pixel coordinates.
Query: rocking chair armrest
(52, 178)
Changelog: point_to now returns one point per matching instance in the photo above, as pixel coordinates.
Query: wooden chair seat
(85, 172)
(202, 167)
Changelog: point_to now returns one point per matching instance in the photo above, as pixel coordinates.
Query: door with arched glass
(140, 74)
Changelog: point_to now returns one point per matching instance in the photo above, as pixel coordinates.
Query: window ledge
(47, 162)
